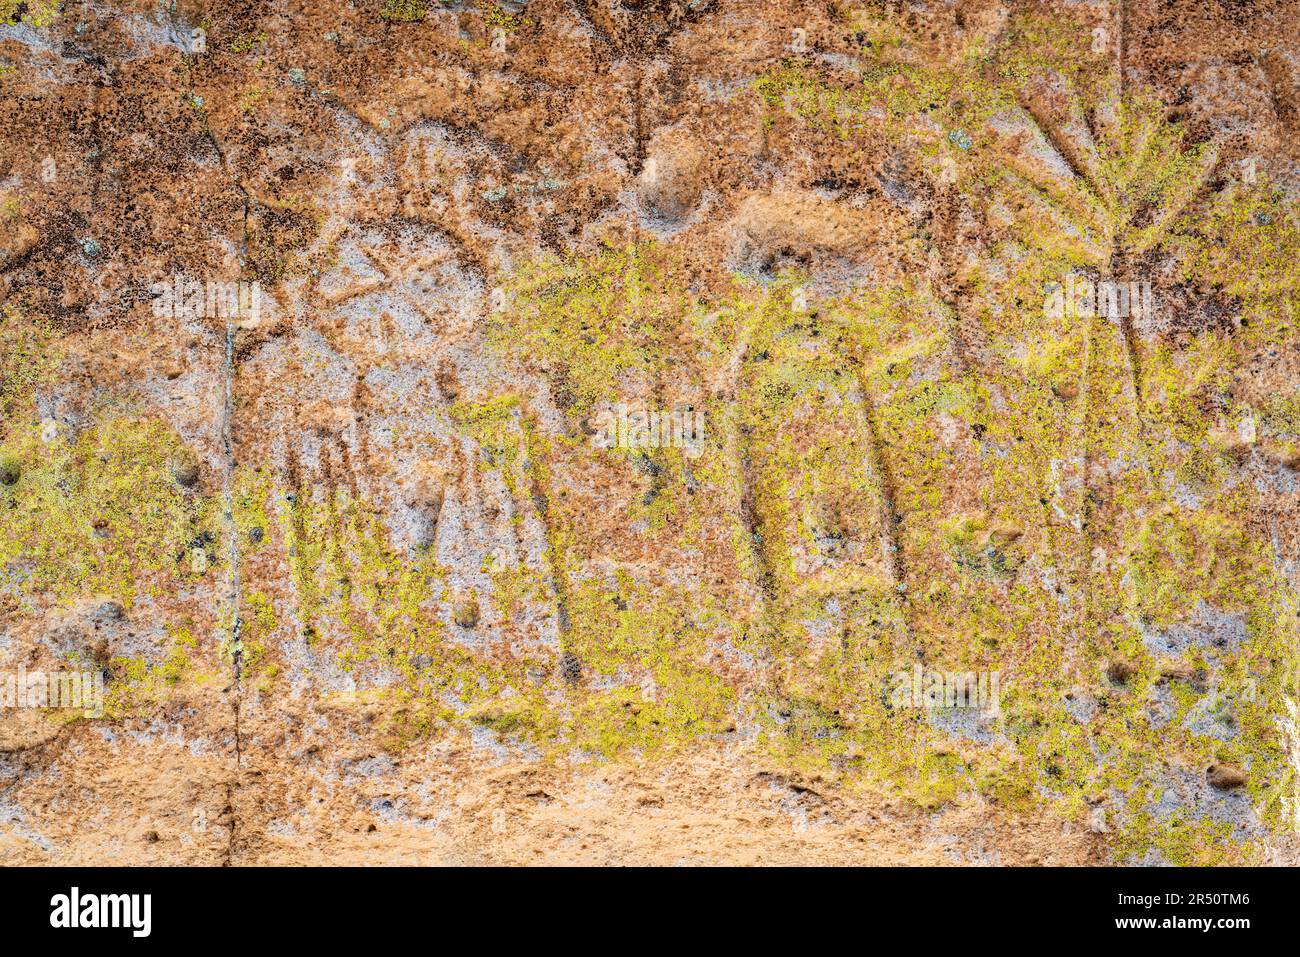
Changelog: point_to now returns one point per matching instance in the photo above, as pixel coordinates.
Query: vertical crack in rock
(227, 502)
(231, 613)
(232, 538)
(227, 505)
(227, 513)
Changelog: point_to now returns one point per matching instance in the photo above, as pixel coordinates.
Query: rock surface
(650, 432)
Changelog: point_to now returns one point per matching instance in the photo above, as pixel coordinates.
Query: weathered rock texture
(378, 563)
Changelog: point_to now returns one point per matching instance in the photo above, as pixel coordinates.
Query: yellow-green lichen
(98, 511)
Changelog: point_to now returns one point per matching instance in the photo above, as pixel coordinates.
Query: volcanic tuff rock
(363, 586)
